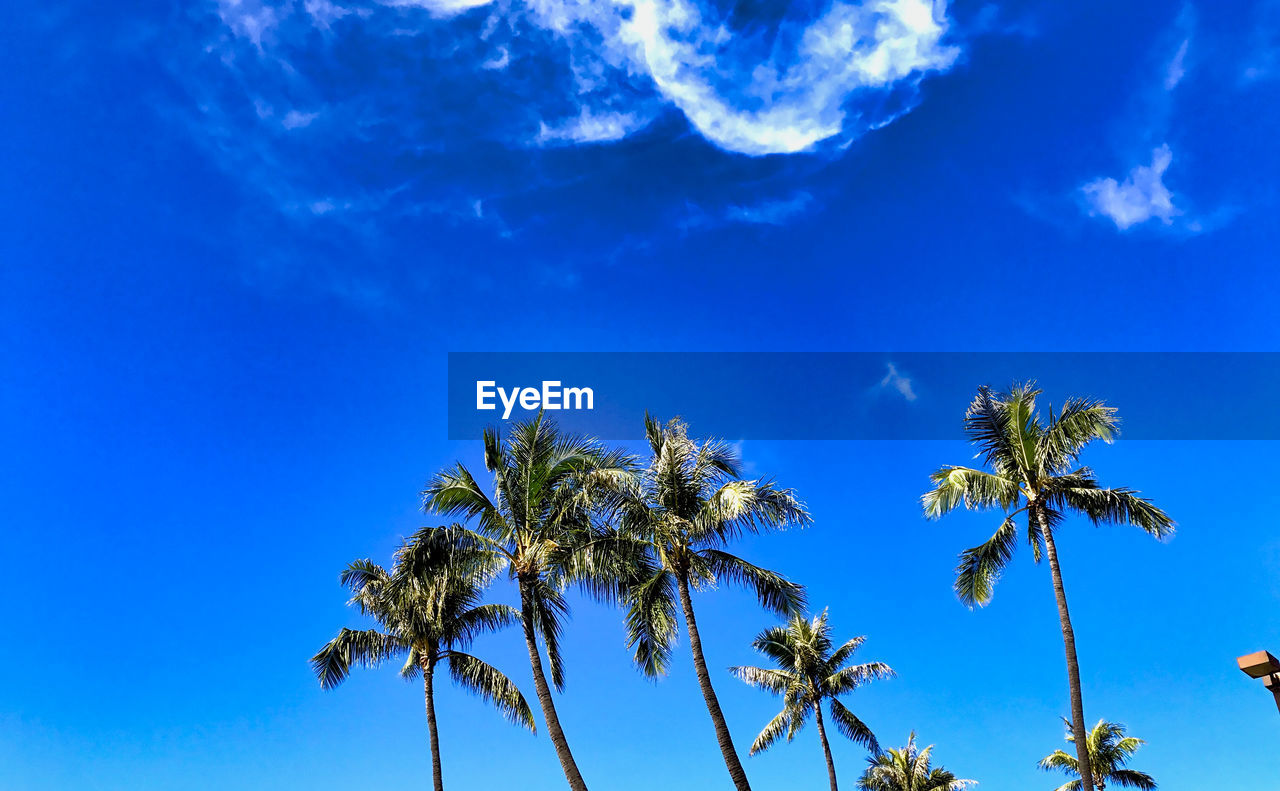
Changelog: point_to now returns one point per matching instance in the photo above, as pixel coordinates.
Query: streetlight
(1263, 665)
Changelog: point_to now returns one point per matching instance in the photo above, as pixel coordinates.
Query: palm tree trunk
(554, 731)
(826, 747)
(1073, 665)
(428, 684)
(708, 692)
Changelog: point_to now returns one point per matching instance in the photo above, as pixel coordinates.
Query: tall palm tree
(1109, 751)
(541, 521)
(687, 506)
(908, 769)
(1031, 468)
(427, 620)
(810, 670)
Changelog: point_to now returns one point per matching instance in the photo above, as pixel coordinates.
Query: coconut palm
(687, 506)
(547, 486)
(908, 769)
(1031, 468)
(811, 670)
(427, 620)
(1109, 751)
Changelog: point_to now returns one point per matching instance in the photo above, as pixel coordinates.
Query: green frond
(845, 652)
(770, 680)
(980, 566)
(652, 622)
(747, 507)
(550, 611)
(975, 489)
(481, 678)
(1081, 421)
(353, 648)
(848, 679)
(484, 619)
(1128, 778)
(778, 726)
(775, 592)
(1117, 506)
(851, 727)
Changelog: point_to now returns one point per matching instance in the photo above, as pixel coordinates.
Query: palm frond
(770, 680)
(977, 489)
(849, 679)
(775, 592)
(1081, 421)
(483, 679)
(360, 648)
(652, 622)
(980, 566)
(1117, 506)
(851, 727)
(778, 726)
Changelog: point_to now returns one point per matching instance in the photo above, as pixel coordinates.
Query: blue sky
(237, 241)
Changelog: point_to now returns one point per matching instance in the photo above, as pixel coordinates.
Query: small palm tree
(542, 522)
(811, 670)
(686, 507)
(1109, 751)
(427, 620)
(908, 769)
(1031, 469)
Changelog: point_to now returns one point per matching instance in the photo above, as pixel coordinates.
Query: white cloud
(249, 19)
(297, 120)
(771, 212)
(786, 102)
(590, 127)
(832, 77)
(324, 12)
(898, 382)
(1140, 197)
(444, 8)
(1177, 68)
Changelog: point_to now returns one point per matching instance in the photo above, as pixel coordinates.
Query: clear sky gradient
(238, 239)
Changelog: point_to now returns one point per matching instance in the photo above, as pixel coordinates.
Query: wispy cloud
(1142, 195)
(1177, 68)
(895, 380)
(590, 127)
(771, 212)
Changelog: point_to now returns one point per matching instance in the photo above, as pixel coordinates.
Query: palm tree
(1109, 751)
(687, 506)
(547, 487)
(908, 769)
(810, 670)
(1031, 468)
(427, 620)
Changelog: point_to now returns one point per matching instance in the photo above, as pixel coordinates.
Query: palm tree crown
(811, 670)
(686, 507)
(908, 769)
(549, 489)
(1031, 467)
(1109, 751)
(428, 608)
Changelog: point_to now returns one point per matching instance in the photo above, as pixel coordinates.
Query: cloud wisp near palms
(542, 520)
(811, 671)
(687, 506)
(1032, 468)
(428, 608)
